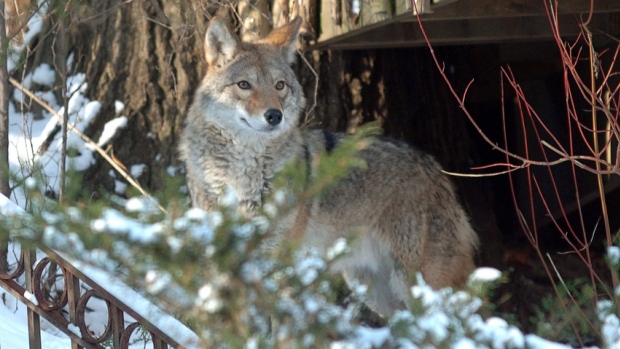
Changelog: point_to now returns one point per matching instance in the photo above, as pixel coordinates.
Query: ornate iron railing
(52, 307)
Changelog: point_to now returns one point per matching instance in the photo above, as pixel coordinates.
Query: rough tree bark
(146, 54)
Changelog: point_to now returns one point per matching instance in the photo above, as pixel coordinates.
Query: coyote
(242, 128)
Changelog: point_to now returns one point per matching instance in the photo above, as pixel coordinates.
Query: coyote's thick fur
(242, 129)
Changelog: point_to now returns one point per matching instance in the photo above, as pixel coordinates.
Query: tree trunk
(4, 107)
(148, 55)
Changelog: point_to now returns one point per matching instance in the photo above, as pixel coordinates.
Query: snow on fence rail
(123, 319)
(41, 305)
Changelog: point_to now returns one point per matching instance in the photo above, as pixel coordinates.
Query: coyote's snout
(242, 128)
(273, 116)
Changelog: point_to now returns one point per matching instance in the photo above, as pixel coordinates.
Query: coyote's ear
(286, 38)
(221, 44)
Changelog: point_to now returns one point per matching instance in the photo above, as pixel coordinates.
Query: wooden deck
(450, 22)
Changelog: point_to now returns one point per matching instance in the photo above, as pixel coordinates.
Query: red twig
(603, 99)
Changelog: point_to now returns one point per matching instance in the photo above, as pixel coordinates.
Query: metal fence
(53, 307)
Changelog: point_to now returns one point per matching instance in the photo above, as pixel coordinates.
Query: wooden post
(118, 326)
(34, 323)
(72, 283)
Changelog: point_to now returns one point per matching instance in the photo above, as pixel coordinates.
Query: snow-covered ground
(26, 135)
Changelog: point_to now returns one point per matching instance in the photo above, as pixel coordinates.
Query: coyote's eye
(244, 85)
(280, 85)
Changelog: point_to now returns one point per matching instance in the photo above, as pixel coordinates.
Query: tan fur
(403, 209)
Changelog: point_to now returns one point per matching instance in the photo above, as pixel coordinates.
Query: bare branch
(87, 140)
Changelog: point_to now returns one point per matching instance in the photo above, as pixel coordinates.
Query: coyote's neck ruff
(242, 128)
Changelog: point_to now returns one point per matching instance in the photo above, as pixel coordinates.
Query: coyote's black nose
(273, 116)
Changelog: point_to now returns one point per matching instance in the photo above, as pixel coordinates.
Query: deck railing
(41, 304)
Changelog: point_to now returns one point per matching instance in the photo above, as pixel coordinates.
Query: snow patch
(613, 254)
(44, 75)
(31, 297)
(485, 274)
(118, 106)
(120, 187)
(137, 170)
(110, 129)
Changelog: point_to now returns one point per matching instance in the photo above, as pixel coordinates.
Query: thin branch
(492, 174)
(557, 273)
(87, 140)
(4, 107)
(570, 295)
(316, 89)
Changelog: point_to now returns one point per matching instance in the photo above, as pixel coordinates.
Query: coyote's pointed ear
(221, 45)
(286, 38)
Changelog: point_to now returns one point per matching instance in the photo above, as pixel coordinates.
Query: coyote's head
(249, 89)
